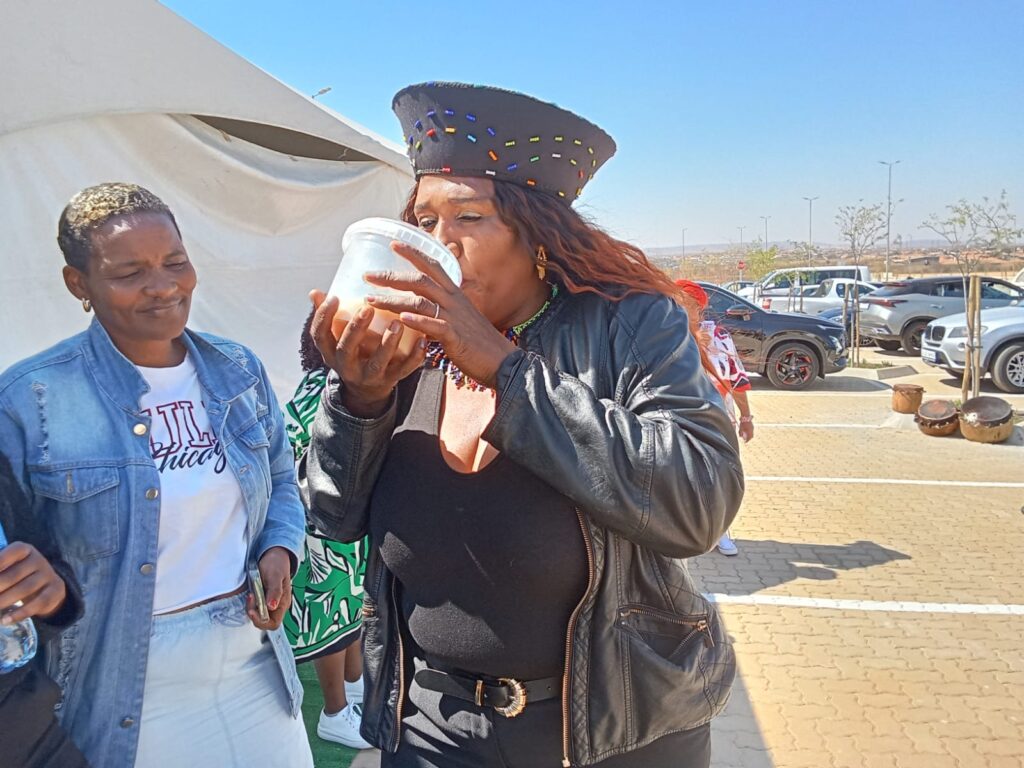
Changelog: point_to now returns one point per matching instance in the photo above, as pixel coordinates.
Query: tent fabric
(62, 60)
(263, 228)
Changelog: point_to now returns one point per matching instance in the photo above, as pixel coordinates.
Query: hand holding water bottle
(28, 587)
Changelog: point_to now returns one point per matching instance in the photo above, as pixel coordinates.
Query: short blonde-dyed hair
(91, 208)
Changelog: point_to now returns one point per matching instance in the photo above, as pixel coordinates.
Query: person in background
(158, 457)
(731, 381)
(533, 490)
(327, 591)
(35, 583)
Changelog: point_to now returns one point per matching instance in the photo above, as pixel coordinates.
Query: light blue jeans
(215, 695)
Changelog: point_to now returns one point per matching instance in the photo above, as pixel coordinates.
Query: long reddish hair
(582, 256)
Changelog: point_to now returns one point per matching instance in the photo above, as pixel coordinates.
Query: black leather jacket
(607, 402)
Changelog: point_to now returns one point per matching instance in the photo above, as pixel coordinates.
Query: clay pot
(906, 398)
(986, 419)
(938, 418)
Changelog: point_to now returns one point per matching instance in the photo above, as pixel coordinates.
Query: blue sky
(723, 111)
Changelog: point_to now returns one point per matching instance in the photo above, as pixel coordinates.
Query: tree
(861, 226)
(760, 260)
(973, 231)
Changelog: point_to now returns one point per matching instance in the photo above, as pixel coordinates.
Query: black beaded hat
(475, 130)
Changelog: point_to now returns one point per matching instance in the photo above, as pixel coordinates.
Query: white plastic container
(366, 247)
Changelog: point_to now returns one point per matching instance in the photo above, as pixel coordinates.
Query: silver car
(1002, 346)
(896, 314)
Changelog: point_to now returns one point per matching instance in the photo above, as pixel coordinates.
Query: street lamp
(765, 220)
(321, 92)
(810, 229)
(888, 214)
(684, 242)
(741, 236)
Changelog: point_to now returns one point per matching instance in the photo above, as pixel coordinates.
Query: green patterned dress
(327, 591)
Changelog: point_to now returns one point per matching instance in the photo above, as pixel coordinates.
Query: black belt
(508, 696)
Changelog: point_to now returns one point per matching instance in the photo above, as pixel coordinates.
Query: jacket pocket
(667, 634)
(83, 509)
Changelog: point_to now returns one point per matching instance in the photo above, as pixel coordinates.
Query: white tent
(263, 180)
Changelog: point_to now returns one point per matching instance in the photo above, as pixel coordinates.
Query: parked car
(1002, 346)
(836, 316)
(737, 285)
(897, 313)
(792, 351)
(1019, 278)
(816, 299)
(778, 282)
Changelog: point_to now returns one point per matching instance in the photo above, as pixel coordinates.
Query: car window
(822, 290)
(864, 289)
(991, 290)
(719, 302)
(899, 289)
(950, 290)
(841, 290)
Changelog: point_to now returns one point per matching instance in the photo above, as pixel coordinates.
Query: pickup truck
(815, 300)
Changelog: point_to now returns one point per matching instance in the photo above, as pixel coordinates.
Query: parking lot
(877, 603)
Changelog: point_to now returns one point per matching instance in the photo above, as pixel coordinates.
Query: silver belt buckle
(518, 703)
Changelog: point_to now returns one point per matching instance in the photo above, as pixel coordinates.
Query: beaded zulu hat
(473, 130)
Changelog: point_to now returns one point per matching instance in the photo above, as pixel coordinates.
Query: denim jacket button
(152, 493)
(146, 569)
(139, 429)
(128, 722)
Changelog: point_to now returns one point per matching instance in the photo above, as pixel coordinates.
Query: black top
(490, 564)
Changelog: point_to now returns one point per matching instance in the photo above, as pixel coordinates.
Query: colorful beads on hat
(531, 183)
(490, 173)
(559, 138)
(535, 158)
(577, 142)
(491, 132)
(446, 169)
(534, 139)
(432, 132)
(510, 143)
(556, 155)
(431, 112)
(471, 117)
(450, 129)
(471, 137)
(493, 155)
(450, 112)
(419, 145)
(419, 125)
(511, 167)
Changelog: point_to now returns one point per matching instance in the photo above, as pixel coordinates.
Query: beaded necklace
(437, 358)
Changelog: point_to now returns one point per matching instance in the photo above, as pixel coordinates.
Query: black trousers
(29, 734)
(445, 732)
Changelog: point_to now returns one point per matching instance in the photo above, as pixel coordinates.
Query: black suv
(791, 350)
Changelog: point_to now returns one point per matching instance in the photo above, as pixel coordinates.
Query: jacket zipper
(699, 626)
(401, 668)
(566, 763)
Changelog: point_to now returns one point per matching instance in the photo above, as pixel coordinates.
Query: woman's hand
(276, 573)
(368, 380)
(26, 577)
(440, 311)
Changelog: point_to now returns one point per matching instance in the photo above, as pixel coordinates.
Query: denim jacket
(71, 426)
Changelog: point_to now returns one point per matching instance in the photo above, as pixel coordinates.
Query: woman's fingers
(406, 303)
(323, 318)
(423, 263)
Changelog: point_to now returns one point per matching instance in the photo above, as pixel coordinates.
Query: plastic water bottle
(18, 641)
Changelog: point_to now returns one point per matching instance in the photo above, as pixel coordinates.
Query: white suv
(944, 341)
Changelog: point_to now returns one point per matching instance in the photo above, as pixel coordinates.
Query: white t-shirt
(202, 544)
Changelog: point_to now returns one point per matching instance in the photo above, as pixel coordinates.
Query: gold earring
(542, 261)
(86, 305)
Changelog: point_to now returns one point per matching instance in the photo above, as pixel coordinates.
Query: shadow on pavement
(765, 564)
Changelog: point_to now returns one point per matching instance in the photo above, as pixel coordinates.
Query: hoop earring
(542, 262)
(86, 305)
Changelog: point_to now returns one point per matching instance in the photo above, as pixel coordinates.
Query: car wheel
(888, 346)
(1008, 369)
(910, 339)
(792, 365)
